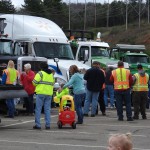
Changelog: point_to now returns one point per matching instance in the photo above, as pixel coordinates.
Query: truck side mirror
(56, 60)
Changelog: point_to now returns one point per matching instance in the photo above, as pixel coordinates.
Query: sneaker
(31, 114)
(86, 115)
(103, 113)
(7, 116)
(35, 127)
(92, 115)
(120, 119)
(79, 122)
(135, 117)
(47, 128)
(144, 117)
(130, 119)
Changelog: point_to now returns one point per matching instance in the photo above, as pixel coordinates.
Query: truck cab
(133, 55)
(12, 50)
(87, 50)
(40, 37)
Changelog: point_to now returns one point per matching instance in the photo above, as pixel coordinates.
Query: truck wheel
(73, 125)
(59, 123)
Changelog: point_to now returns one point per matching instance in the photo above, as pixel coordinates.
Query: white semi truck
(7, 53)
(40, 37)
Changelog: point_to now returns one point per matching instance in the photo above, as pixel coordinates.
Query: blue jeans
(78, 99)
(120, 97)
(91, 97)
(40, 101)
(11, 107)
(109, 90)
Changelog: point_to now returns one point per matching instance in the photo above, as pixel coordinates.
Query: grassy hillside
(133, 35)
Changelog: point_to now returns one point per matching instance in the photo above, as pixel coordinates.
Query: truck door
(84, 54)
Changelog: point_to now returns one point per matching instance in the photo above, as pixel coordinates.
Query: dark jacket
(95, 79)
(107, 77)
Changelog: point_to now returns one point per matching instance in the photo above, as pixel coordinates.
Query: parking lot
(17, 133)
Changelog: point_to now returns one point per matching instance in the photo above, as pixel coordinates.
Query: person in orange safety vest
(122, 79)
(10, 77)
(140, 92)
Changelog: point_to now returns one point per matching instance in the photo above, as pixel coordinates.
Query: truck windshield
(6, 48)
(137, 59)
(99, 51)
(53, 50)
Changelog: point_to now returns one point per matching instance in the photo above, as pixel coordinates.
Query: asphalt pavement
(17, 133)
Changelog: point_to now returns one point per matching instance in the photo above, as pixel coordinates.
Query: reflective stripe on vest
(141, 83)
(44, 83)
(121, 78)
(11, 75)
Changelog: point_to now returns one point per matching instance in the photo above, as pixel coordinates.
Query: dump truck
(131, 54)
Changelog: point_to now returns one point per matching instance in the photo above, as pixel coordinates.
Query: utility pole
(148, 10)
(139, 14)
(95, 15)
(85, 16)
(126, 14)
(108, 15)
(69, 14)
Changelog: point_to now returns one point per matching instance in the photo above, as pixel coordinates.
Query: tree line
(82, 16)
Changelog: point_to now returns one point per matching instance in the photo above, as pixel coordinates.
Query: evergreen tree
(34, 7)
(6, 7)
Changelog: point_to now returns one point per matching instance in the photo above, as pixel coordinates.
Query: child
(59, 94)
(120, 142)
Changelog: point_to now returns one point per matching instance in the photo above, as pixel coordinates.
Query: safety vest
(121, 78)
(141, 83)
(12, 74)
(62, 93)
(44, 83)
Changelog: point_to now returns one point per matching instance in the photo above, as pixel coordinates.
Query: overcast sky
(18, 3)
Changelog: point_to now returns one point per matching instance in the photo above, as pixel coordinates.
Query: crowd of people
(94, 87)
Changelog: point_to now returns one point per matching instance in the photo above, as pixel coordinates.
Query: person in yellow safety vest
(10, 77)
(122, 79)
(140, 92)
(44, 83)
(59, 94)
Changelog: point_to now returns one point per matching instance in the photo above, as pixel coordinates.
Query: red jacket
(26, 80)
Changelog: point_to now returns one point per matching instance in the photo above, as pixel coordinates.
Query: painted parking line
(23, 122)
(121, 125)
(66, 145)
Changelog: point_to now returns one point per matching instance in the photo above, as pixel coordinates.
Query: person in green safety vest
(59, 94)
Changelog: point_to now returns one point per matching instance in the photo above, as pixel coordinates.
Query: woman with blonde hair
(120, 142)
(9, 77)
